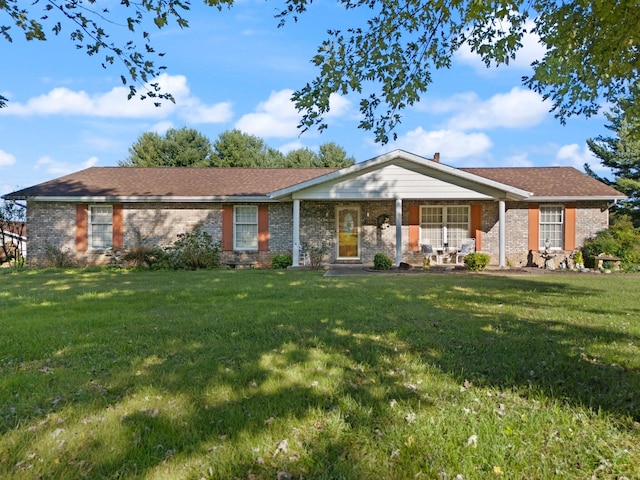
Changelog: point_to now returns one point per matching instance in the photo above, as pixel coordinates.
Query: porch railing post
(502, 236)
(296, 233)
(398, 231)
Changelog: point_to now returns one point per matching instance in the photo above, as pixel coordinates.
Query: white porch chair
(467, 246)
(429, 252)
(305, 259)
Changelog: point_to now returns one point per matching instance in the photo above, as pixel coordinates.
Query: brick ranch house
(392, 204)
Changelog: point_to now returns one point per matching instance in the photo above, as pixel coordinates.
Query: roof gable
(462, 185)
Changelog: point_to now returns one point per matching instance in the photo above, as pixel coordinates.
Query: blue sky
(236, 69)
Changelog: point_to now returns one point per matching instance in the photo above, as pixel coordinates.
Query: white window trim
(445, 238)
(541, 241)
(257, 224)
(90, 224)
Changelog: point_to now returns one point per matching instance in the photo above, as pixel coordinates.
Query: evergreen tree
(333, 155)
(330, 155)
(234, 148)
(184, 147)
(620, 153)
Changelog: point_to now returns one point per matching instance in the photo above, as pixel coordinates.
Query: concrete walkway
(343, 270)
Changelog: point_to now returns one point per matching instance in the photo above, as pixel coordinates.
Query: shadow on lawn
(456, 325)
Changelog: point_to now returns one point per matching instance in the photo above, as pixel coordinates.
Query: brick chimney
(436, 157)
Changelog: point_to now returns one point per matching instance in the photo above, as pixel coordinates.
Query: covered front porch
(406, 231)
(395, 204)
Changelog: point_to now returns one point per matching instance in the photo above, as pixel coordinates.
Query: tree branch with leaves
(592, 48)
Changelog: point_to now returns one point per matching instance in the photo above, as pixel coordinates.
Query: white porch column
(398, 231)
(502, 237)
(296, 233)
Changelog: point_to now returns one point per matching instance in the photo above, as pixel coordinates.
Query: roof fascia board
(152, 199)
(575, 199)
(417, 164)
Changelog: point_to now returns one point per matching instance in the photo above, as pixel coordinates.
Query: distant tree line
(186, 147)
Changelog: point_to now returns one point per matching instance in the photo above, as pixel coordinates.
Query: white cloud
(278, 116)
(55, 167)
(519, 160)
(339, 106)
(161, 127)
(218, 113)
(6, 159)
(114, 104)
(451, 144)
(455, 103)
(289, 147)
(518, 108)
(532, 49)
(574, 156)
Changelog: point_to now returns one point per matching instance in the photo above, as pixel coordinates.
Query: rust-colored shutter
(227, 228)
(82, 213)
(117, 230)
(414, 228)
(534, 227)
(263, 228)
(475, 226)
(570, 226)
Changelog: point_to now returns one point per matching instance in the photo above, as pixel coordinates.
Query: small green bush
(141, 254)
(316, 253)
(381, 262)
(57, 257)
(281, 261)
(578, 259)
(193, 251)
(146, 256)
(477, 261)
(621, 240)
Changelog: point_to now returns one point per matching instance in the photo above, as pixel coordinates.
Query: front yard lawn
(273, 375)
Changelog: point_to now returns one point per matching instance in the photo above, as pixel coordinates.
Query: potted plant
(578, 260)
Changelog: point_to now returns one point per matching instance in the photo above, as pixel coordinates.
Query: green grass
(270, 374)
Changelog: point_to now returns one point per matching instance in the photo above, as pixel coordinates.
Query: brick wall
(159, 224)
(318, 224)
(591, 217)
(50, 224)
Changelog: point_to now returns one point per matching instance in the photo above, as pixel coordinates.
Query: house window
(444, 225)
(100, 226)
(245, 227)
(552, 226)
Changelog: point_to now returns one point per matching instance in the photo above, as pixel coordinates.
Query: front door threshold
(347, 261)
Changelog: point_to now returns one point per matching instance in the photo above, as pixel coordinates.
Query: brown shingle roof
(562, 182)
(177, 182)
